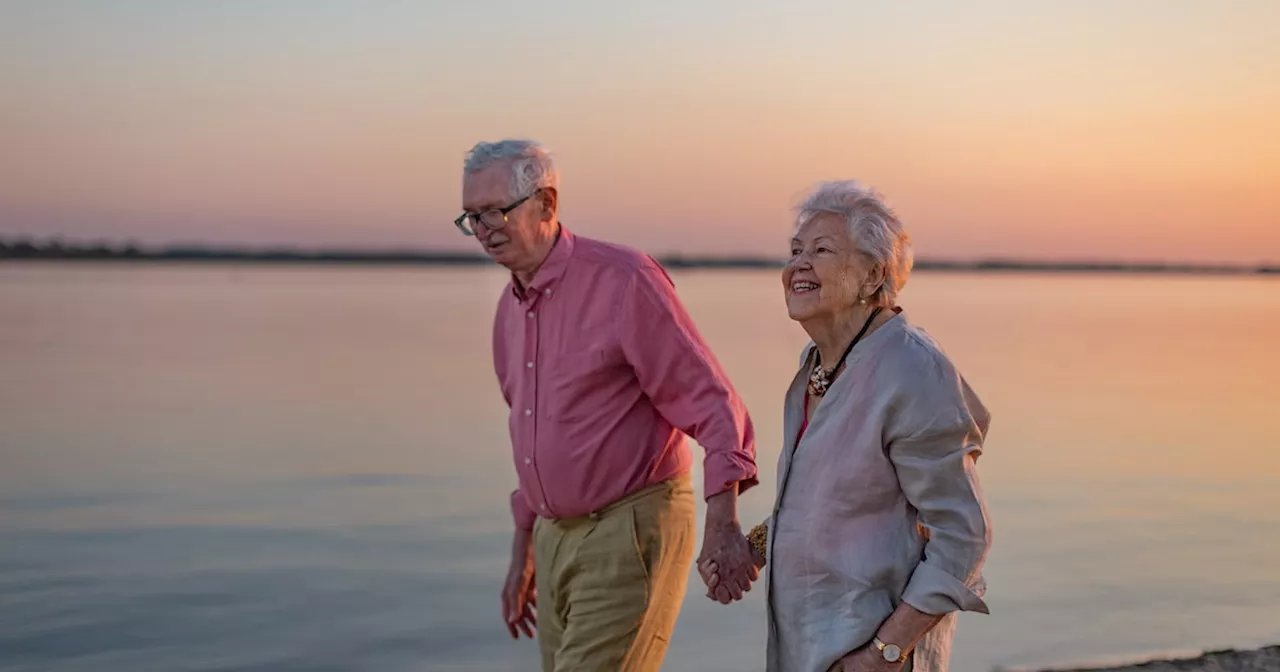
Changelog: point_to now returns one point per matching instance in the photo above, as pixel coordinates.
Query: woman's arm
(904, 628)
(935, 439)
(937, 472)
(934, 446)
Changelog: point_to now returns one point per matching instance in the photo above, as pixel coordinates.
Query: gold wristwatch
(892, 652)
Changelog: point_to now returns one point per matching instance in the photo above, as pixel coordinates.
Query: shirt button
(547, 292)
(531, 314)
(530, 365)
(528, 411)
(528, 460)
(544, 507)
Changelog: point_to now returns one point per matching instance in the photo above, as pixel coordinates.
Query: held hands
(729, 574)
(726, 563)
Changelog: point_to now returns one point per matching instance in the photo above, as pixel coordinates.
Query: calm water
(255, 468)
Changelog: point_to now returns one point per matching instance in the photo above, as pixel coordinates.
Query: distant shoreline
(26, 251)
(1265, 659)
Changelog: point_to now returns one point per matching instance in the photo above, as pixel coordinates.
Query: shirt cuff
(721, 470)
(936, 592)
(521, 511)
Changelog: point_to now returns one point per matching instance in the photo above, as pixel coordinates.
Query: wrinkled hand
(727, 563)
(865, 659)
(519, 597)
(710, 571)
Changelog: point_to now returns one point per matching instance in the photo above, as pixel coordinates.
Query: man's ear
(550, 203)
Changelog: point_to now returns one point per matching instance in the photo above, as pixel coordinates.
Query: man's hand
(710, 571)
(725, 549)
(865, 659)
(520, 594)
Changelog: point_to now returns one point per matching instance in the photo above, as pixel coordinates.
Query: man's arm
(725, 546)
(685, 382)
(518, 593)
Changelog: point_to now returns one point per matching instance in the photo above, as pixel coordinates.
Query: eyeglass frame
(478, 217)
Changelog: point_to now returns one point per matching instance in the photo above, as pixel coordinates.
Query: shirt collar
(551, 270)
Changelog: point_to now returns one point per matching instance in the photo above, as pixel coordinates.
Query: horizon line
(56, 250)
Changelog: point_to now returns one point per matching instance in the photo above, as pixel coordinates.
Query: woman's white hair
(874, 227)
(531, 164)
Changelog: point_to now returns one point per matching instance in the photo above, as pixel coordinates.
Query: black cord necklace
(820, 379)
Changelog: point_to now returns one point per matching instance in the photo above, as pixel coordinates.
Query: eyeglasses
(493, 219)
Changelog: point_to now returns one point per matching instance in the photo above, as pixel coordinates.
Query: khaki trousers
(610, 584)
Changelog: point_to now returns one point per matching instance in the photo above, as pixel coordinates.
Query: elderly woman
(879, 527)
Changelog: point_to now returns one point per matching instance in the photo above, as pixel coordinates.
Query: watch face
(892, 653)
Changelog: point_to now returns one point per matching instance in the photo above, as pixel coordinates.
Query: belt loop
(594, 515)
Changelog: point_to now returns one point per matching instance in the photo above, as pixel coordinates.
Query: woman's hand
(710, 571)
(865, 659)
(728, 556)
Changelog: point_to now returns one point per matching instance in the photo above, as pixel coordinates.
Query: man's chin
(501, 254)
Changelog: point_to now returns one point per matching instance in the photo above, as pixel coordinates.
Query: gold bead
(758, 538)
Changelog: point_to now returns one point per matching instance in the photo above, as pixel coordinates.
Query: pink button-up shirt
(605, 373)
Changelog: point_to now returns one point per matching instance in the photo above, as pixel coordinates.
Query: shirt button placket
(531, 375)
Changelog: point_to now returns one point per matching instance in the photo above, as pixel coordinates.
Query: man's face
(517, 243)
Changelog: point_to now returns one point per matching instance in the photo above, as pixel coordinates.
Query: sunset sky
(1128, 129)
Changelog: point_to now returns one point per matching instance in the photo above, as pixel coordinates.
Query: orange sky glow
(1135, 130)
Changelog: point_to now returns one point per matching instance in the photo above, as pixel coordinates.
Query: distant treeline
(26, 249)
(58, 250)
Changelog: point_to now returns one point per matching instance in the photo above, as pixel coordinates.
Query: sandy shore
(1266, 659)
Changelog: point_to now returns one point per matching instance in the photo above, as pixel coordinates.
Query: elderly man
(604, 373)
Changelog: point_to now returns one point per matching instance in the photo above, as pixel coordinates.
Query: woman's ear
(875, 280)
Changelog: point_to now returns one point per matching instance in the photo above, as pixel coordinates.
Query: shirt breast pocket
(575, 381)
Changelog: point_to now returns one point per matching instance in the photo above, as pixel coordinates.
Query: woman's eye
(824, 249)
(794, 251)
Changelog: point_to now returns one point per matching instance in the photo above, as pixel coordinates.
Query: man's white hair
(874, 227)
(531, 164)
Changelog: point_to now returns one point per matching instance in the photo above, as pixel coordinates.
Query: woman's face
(826, 274)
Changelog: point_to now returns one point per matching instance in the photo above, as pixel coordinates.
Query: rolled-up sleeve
(936, 465)
(521, 512)
(684, 381)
